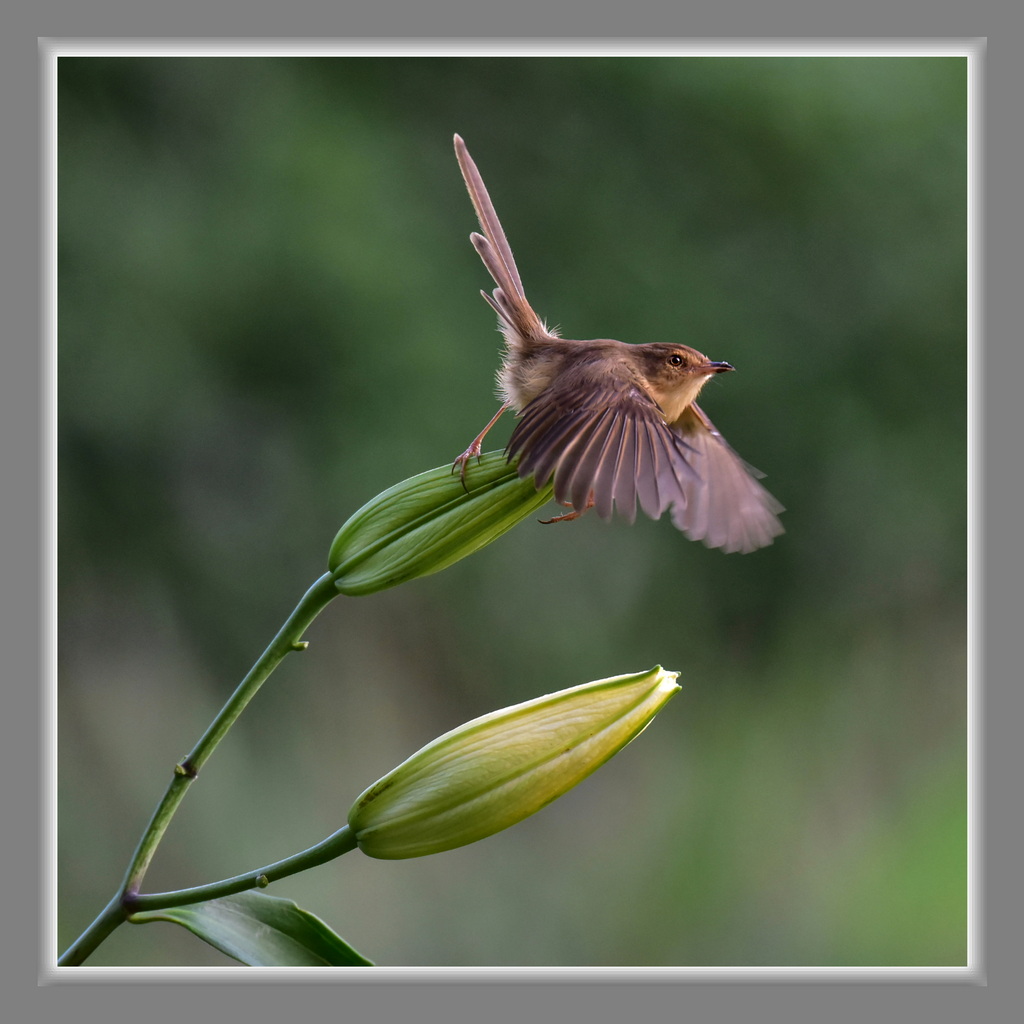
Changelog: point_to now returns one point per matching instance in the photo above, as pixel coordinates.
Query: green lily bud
(426, 523)
(498, 769)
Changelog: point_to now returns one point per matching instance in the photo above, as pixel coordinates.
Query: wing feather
(729, 509)
(606, 442)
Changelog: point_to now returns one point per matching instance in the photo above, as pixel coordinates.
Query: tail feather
(508, 300)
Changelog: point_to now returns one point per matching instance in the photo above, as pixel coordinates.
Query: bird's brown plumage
(611, 423)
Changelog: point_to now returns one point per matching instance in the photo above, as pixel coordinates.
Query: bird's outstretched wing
(605, 442)
(725, 507)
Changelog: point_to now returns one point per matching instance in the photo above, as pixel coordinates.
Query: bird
(611, 423)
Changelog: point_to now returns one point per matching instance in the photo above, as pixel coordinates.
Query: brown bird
(612, 422)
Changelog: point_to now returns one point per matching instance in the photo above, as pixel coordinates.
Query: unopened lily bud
(498, 769)
(426, 523)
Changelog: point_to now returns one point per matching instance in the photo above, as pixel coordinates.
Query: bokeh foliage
(268, 313)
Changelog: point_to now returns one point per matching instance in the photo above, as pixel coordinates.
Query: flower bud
(426, 523)
(498, 769)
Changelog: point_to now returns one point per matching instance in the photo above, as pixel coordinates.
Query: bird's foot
(569, 516)
(472, 452)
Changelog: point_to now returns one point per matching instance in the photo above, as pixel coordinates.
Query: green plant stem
(110, 917)
(288, 639)
(342, 841)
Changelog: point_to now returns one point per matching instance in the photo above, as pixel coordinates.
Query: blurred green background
(269, 312)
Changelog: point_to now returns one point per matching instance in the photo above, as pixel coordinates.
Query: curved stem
(342, 841)
(288, 638)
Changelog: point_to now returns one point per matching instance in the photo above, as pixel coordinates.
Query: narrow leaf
(261, 931)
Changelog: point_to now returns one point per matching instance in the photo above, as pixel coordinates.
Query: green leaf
(426, 523)
(261, 931)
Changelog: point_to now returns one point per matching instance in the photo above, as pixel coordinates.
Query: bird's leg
(569, 516)
(473, 451)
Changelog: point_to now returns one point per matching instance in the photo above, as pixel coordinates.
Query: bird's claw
(569, 516)
(473, 451)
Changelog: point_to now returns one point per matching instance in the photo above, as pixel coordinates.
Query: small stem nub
(300, 645)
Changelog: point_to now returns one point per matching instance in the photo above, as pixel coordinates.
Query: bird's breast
(675, 400)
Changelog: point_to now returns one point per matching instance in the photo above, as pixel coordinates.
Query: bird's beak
(718, 367)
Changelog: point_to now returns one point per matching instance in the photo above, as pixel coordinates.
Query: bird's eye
(675, 359)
